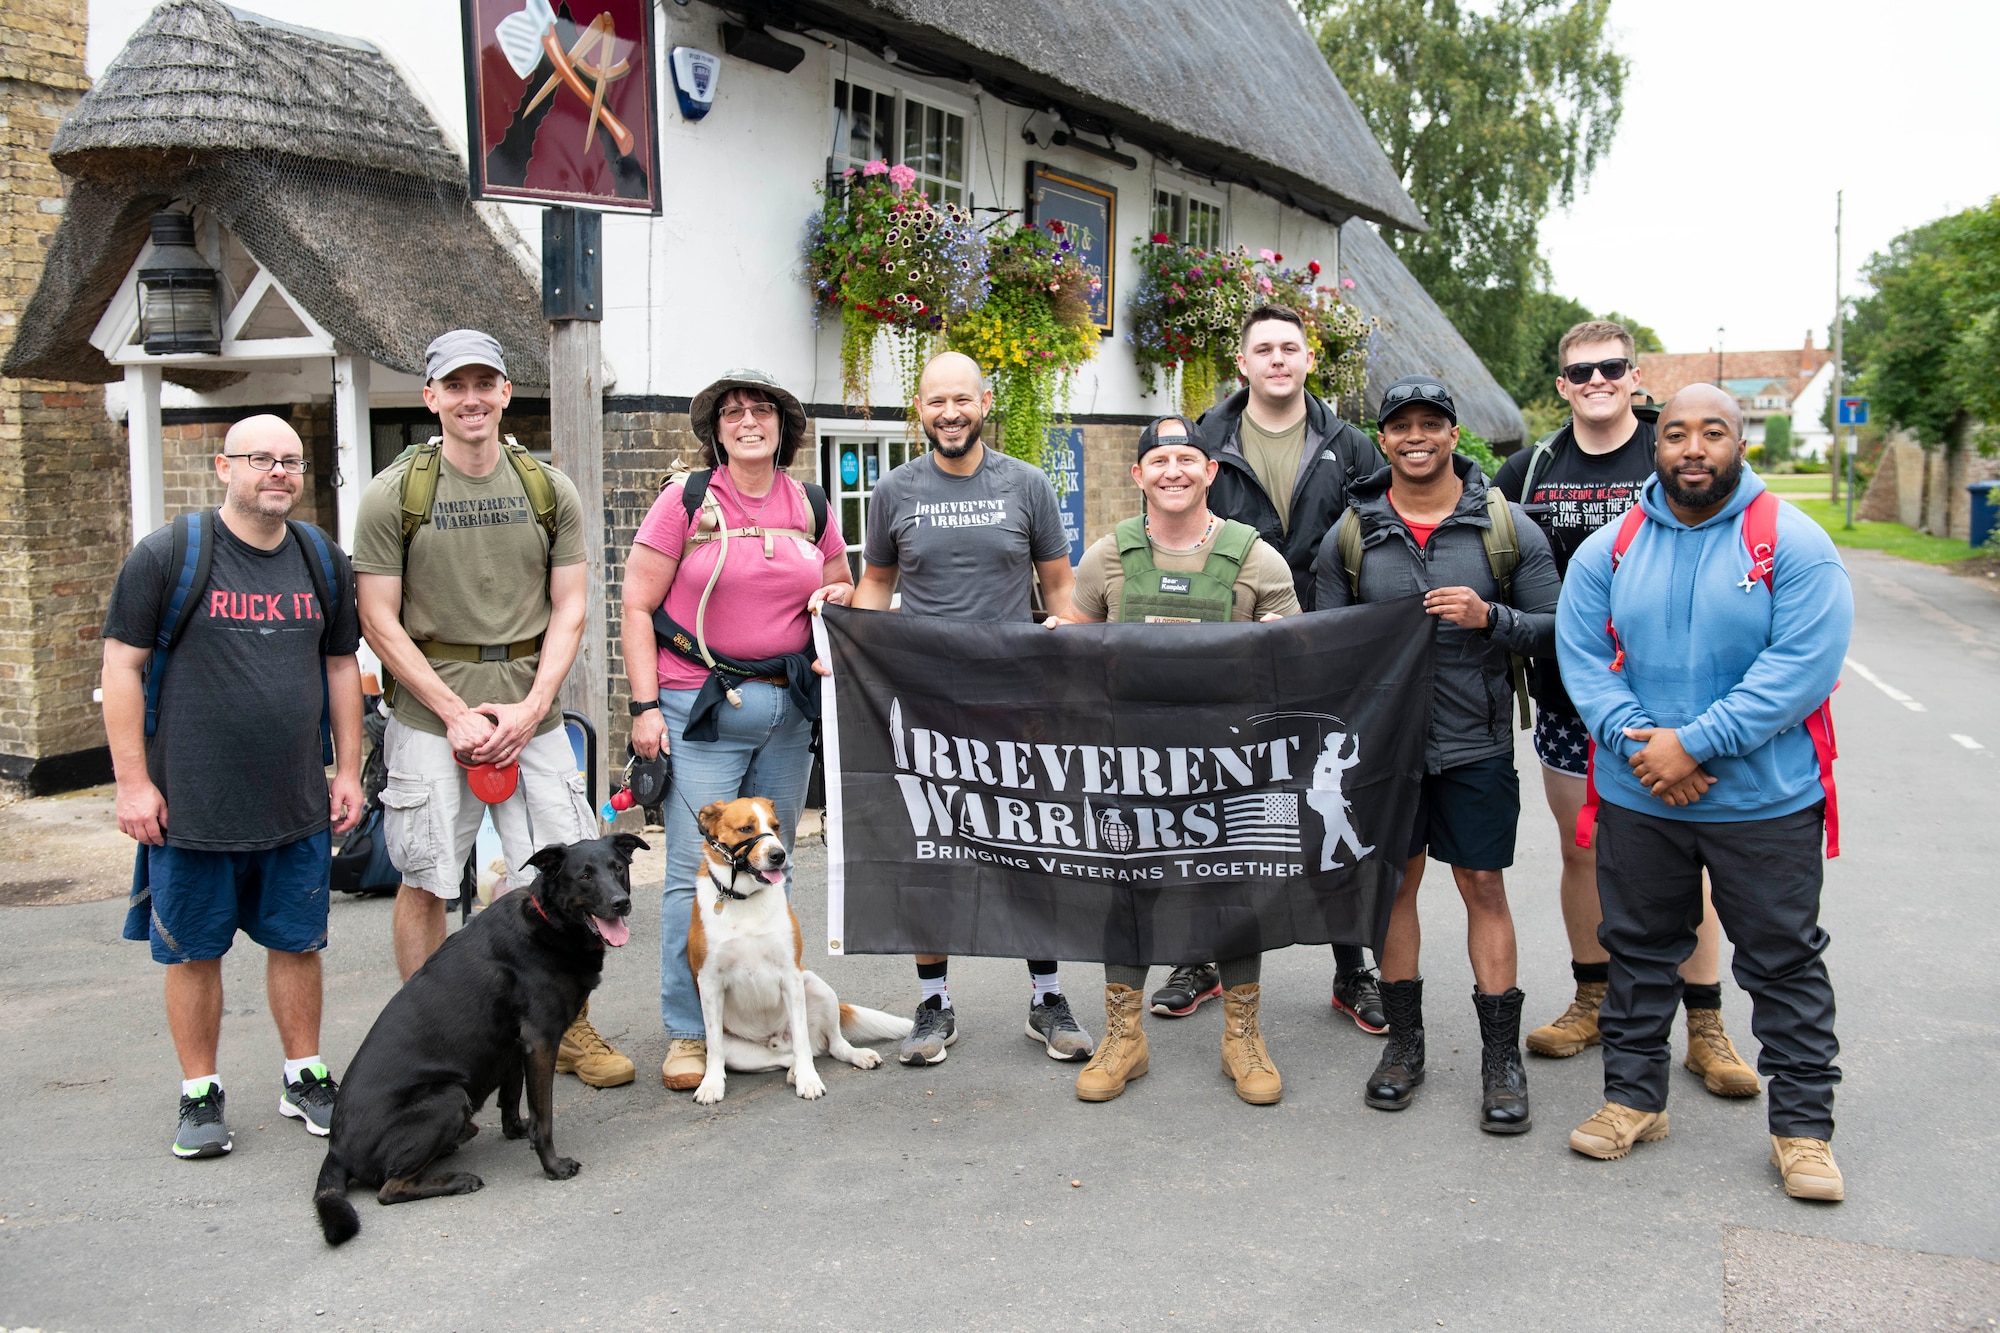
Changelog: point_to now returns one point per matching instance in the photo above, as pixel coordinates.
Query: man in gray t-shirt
(968, 530)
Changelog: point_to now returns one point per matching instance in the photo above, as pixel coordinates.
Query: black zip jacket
(1334, 457)
(1472, 709)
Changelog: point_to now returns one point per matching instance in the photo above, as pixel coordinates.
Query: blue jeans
(763, 748)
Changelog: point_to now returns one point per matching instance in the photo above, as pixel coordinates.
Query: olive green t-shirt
(1275, 460)
(1263, 585)
(478, 573)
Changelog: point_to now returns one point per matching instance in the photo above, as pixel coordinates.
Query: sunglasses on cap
(1613, 369)
(1397, 393)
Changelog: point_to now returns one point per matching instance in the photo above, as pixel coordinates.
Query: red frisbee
(491, 783)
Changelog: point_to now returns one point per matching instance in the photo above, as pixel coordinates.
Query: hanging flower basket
(1189, 305)
(890, 261)
(1033, 331)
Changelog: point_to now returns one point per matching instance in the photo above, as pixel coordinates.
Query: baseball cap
(1415, 389)
(1178, 430)
(462, 347)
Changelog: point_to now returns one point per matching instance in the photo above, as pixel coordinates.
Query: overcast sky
(1742, 117)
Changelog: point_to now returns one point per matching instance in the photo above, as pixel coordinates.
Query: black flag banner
(1120, 793)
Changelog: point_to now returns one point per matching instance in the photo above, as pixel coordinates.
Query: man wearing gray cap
(469, 562)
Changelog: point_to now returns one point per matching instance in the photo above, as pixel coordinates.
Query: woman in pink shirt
(757, 613)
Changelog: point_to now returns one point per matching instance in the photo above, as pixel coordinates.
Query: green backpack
(1503, 556)
(1179, 596)
(420, 484)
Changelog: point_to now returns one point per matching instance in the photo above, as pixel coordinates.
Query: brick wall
(62, 462)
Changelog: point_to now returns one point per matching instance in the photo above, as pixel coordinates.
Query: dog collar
(727, 890)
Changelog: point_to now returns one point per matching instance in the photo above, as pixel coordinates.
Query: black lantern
(177, 307)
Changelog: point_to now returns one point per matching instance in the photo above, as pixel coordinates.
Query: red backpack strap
(1628, 529)
(1760, 538)
(1819, 726)
(1586, 818)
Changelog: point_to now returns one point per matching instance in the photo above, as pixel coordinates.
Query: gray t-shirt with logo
(965, 547)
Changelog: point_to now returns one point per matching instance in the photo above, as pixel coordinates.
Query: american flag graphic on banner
(1269, 822)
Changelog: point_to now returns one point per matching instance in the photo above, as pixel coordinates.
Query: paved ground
(945, 1198)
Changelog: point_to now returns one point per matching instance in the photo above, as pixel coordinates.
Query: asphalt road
(982, 1194)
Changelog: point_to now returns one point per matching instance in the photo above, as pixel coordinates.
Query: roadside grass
(1888, 538)
(1791, 484)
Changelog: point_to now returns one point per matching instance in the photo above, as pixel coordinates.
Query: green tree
(1777, 439)
(1924, 344)
(1490, 117)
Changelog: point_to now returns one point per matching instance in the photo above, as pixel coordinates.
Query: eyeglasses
(1437, 393)
(735, 412)
(1614, 369)
(293, 466)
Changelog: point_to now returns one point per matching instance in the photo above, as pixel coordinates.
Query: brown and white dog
(746, 952)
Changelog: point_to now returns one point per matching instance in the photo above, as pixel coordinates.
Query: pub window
(873, 123)
(1189, 218)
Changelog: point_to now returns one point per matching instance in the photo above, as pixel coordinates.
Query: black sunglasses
(1614, 369)
(1437, 393)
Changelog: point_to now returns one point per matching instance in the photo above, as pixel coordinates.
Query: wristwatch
(637, 706)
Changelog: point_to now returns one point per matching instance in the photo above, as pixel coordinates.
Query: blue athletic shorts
(1562, 742)
(190, 904)
(1466, 816)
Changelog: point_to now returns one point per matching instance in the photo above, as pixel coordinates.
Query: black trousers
(1765, 875)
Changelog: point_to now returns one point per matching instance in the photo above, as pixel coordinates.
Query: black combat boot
(1504, 1108)
(1395, 1080)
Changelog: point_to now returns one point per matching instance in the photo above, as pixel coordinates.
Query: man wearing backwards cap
(477, 619)
(1423, 525)
(1179, 563)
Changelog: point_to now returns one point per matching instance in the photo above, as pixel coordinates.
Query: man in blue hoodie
(1696, 665)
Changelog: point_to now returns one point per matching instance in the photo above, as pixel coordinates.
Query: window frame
(881, 80)
(1181, 195)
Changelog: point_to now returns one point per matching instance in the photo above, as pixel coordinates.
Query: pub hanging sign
(559, 101)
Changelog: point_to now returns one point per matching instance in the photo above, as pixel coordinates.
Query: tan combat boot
(1610, 1133)
(1121, 1056)
(1713, 1056)
(1576, 1029)
(1808, 1169)
(686, 1064)
(1243, 1055)
(590, 1057)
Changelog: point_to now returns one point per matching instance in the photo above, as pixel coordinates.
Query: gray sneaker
(937, 1028)
(1052, 1024)
(310, 1098)
(202, 1133)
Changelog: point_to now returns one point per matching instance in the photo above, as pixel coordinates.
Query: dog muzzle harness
(739, 861)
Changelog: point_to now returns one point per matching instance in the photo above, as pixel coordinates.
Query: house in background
(323, 177)
(1764, 384)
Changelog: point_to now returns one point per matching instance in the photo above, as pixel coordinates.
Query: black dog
(486, 1012)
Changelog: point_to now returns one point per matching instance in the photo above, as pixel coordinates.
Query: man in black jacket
(1427, 524)
(1286, 463)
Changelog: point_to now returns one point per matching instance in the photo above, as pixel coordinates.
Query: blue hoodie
(1734, 670)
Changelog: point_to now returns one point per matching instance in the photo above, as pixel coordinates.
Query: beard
(965, 447)
(263, 504)
(1715, 492)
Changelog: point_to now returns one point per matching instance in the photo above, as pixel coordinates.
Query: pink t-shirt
(758, 608)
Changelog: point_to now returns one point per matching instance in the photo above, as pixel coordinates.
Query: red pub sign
(559, 102)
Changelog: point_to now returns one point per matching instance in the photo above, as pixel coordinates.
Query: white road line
(1967, 742)
(1884, 686)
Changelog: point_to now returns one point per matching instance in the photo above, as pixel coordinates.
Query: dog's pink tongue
(613, 929)
(772, 876)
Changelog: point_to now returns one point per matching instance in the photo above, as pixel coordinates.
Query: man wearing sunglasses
(220, 769)
(1285, 464)
(1572, 483)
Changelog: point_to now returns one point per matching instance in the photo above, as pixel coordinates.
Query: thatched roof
(314, 153)
(1234, 90)
(1415, 337)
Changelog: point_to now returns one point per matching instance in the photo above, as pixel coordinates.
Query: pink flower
(1347, 283)
(1267, 256)
(875, 167)
(1264, 286)
(902, 177)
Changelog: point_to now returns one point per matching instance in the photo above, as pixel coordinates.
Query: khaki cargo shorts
(431, 818)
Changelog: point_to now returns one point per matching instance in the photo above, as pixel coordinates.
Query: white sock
(294, 1068)
(935, 987)
(196, 1087)
(1046, 984)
